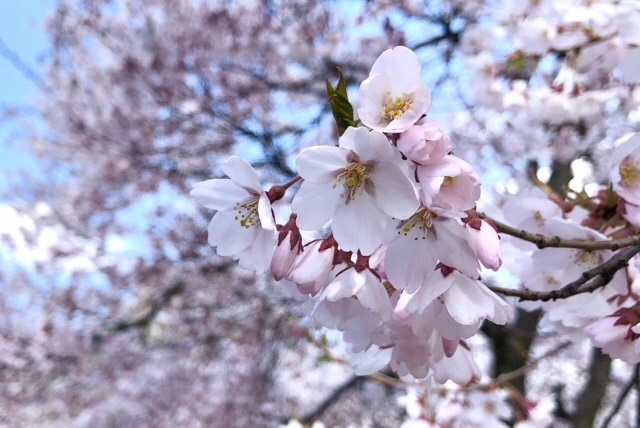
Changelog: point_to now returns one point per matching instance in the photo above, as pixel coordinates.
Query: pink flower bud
(289, 246)
(486, 244)
(424, 143)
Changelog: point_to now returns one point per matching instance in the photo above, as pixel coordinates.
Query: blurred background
(114, 309)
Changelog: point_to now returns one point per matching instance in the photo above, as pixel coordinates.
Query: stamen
(421, 219)
(394, 109)
(354, 178)
(247, 213)
(447, 182)
(539, 219)
(630, 173)
(584, 257)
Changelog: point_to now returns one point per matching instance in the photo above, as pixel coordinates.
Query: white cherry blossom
(356, 185)
(243, 227)
(625, 168)
(421, 242)
(393, 98)
(449, 186)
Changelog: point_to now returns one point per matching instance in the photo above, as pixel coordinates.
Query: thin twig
(507, 377)
(597, 278)
(332, 399)
(622, 396)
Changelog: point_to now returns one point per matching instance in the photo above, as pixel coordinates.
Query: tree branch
(597, 277)
(155, 306)
(590, 398)
(543, 241)
(334, 397)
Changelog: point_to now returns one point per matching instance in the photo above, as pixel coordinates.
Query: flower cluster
(609, 314)
(381, 232)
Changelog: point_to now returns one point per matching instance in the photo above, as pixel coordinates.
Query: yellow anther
(247, 213)
(395, 108)
(539, 219)
(354, 178)
(421, 219)
(447, 182)
(629, 173)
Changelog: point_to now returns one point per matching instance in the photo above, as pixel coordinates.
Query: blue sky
(22, 33)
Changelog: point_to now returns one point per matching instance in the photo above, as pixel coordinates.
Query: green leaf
(340, 106)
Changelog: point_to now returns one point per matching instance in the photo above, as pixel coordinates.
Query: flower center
(395, 108)
(247, 212)
(584, 257)
(421, 219)
(448, 181)
(354, 178)
(629, 173)
(539, 219)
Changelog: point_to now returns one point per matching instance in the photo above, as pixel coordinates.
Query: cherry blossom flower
(421, 242)
(356, 185)
(618, 334)
(243, 227)
(363, 285)
(625, 168)
(454, 304)
(449, 186)
(393, 98)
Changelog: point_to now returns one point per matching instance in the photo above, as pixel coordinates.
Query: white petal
(371, 146)
(461, 368)
(262, 249)
(444, 167)
(226, 233)
(218, 194)
(402, 65)
(392, 191)
(315, 204)
(371, 361)
(373, 97)
(452, 247)
(408, 262)
(345, 285)
(465, 302)
(359, 225)
(404, 122)
(435, 286)
(243, 174)
(265, 214)
(373, 296)
(311, 264)
(321, 163)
